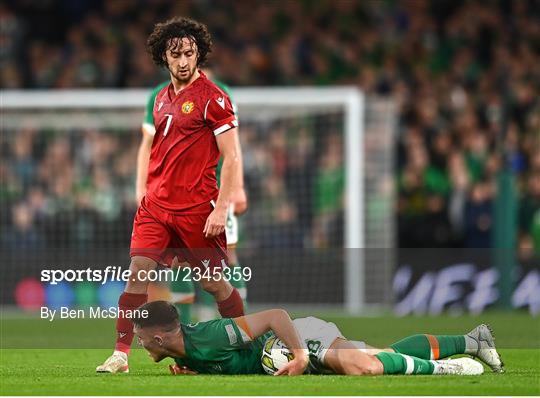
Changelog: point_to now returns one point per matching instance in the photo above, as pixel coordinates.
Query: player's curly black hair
(179, 27)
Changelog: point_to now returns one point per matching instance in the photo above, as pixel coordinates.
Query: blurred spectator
(22, 234)
(283, 231)
(529, 214)
(299, 178)
(478, 216)
(460, 181)
(328, 195)
(23, 165)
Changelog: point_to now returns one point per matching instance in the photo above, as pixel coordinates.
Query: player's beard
(184, 75)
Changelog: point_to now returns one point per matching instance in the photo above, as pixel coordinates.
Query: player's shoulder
(211, 323)
(210, 332)
(157, 95)
(222, 86)
(212, 90)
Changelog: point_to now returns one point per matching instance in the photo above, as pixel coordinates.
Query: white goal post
(349, 99)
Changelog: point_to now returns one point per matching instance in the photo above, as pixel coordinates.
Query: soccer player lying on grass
(235, 346)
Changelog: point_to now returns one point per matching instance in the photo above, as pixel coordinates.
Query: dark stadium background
(464, 76)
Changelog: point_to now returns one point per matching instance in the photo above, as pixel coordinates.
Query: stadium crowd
(461, 72)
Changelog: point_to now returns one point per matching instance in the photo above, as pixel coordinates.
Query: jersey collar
(170, 88)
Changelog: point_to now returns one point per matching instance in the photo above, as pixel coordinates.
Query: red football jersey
(184, 154)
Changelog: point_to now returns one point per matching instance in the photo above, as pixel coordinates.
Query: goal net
(318, 172)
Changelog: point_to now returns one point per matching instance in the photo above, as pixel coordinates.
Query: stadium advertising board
(430, 281)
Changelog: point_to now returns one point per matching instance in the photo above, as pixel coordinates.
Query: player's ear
(158, 340)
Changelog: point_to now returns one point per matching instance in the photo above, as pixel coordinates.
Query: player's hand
(177, 370)
(295, 367)
(239, 201)
(215, 223)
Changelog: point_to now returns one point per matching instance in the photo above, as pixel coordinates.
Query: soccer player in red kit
(183, 212)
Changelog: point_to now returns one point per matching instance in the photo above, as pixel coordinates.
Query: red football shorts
(162, 235)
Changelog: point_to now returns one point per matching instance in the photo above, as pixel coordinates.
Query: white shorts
(319, 336)
(231, 227)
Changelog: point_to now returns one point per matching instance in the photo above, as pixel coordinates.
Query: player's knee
(366, 367)
(141, 262)
(371, 369)
(363, 370)
(353, 369)
(139, 265)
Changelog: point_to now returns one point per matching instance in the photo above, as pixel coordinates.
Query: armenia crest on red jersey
(187, 107)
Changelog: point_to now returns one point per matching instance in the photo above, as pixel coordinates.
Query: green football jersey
(221, 347)
(148, 121)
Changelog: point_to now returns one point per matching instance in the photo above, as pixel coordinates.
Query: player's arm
(229, 148)
(143, 158)
(239, 197)
(279, 321)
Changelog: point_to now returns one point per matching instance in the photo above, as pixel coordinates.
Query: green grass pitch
(64, 368)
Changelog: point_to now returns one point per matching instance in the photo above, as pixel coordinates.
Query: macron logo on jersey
(221, 102)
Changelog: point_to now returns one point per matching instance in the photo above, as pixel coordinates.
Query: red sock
(124, 326)
(232, 306)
